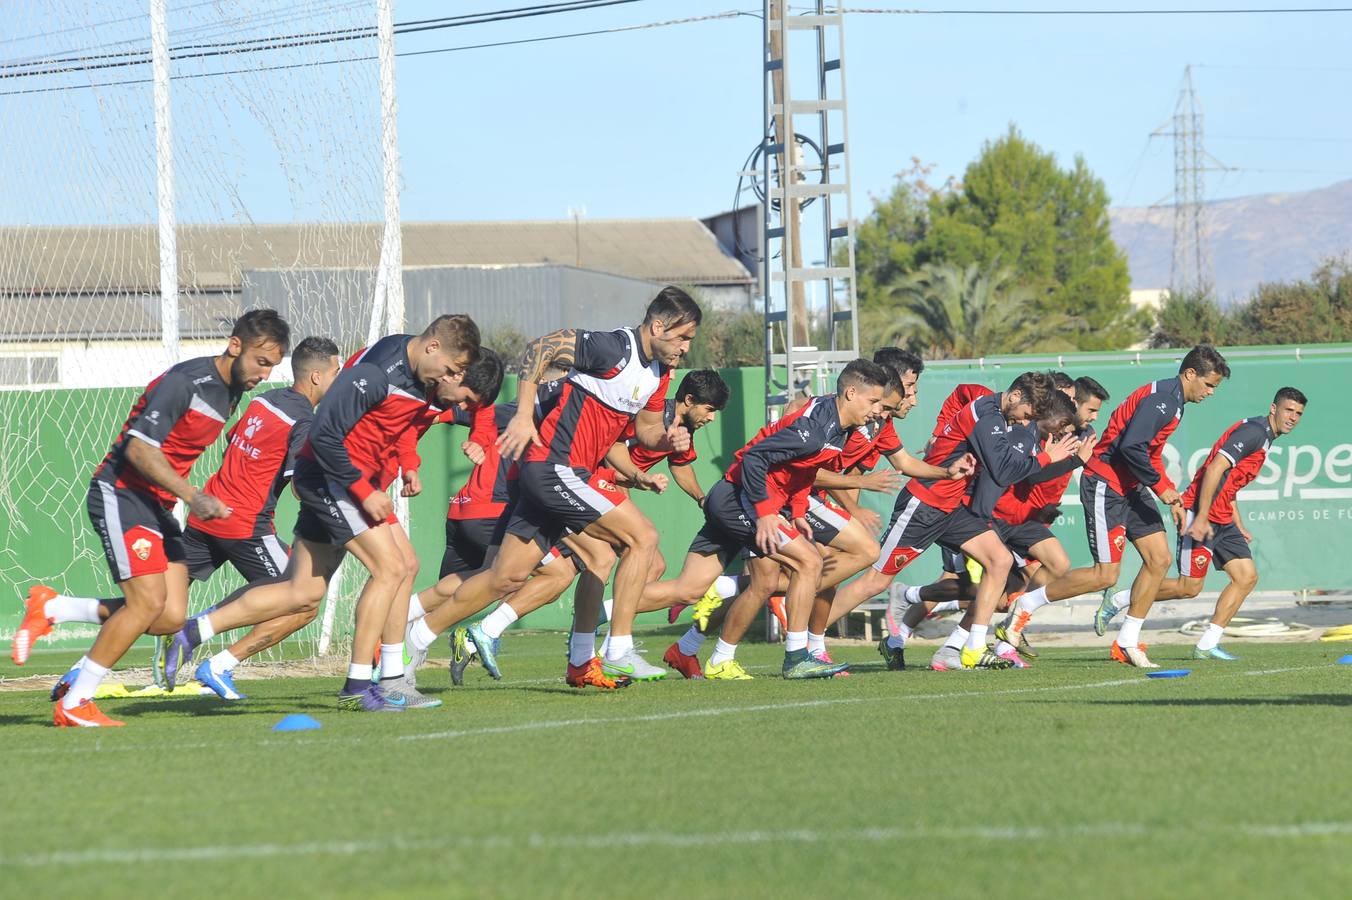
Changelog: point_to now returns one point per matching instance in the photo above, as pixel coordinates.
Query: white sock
(1121, 600)
(976, 638)
(360, 671)
(723, 651)
(618, 645)
(609, 606)
(691, 642)
(581, 647)
(726, 586)
(1130, 635)
(795, 640)
(605, 645)
(496, 622)
(1211, 638)
(957, 640)
(421, 636)
(898, 641)
(71, 609)
(392, 660)
(816, 643)
(913, 594)
(204, 630)
(223, 662)
(86, 683)
(1032, 601)
(947, 606)
(415, 608)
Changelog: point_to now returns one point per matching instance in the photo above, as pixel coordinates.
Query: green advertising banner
(1299, 509)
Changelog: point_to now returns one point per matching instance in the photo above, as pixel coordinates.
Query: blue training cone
(1346, 660)
(297, 722)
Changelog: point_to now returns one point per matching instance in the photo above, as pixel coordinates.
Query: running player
(255, 468)
(929, 511)
(616, 377)
(1213, 530)
(343, 509)
(133, 491)
(1116, 490)
(751, 508)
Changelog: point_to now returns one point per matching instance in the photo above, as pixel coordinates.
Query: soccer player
(255, 469)
(1212, 529)
(133, 491)
(1116, 489)
(751, 507)
(343, 508)
(616, 378)
(930, 511)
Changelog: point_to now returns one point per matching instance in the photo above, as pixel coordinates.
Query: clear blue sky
(657, 122)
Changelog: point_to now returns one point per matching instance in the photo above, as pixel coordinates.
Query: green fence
(1299, 510)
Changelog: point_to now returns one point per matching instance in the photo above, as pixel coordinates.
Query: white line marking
(1287, 669)
(735, 710)
(672, 840)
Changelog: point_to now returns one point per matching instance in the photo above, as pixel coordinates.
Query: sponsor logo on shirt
(1163, 408)
(252, 426)
(203, 380)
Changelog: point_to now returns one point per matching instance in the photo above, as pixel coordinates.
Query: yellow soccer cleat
(726, 671)
(705, 606)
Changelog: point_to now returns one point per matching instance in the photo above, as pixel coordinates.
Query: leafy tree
(1185, 320)
(728, 339)
(946, 311)
(1014, 209)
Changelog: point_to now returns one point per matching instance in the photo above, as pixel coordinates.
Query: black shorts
(916, 525)
(826, 520)
(329, 514)
(255, 558)
(955, 561)
(1021, 538)
(1224, 545)
(139, 536)
(557, 499)
(1111, 519)
(467, 543)
(730, 525)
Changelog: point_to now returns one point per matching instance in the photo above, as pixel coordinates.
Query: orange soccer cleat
(1132, 656)
(777, 610)
(591, 675)
(86, 715)
(688, 666)
(35, 623)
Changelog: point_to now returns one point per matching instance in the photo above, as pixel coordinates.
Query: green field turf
(1076, 778)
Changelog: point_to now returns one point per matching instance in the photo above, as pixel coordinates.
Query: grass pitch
(1077, 777)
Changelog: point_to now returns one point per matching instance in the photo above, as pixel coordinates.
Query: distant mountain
(1267, 237)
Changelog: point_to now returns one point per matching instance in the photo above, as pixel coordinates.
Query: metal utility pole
(802, 198)
(1191, 271)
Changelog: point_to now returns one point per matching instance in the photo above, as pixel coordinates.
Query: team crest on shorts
(1120, 541)
(141, 547)
(603, 485)
(901, 558)
(1200, 560)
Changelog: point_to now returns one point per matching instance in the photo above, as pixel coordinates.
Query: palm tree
(947, 311)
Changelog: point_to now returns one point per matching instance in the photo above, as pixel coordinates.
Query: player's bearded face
(670, 345)
(700, 414)
(253, 365)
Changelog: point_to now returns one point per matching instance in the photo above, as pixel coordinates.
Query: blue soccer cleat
(487, 648)
(63, 684)
(1213, 653)
(220, 682)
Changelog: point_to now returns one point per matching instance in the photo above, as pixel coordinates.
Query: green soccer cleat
(895, 657)
(1213, 653)
(461, 656)
(1105, 613)
(486, 647)
(1015, 639)
(799, 664)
